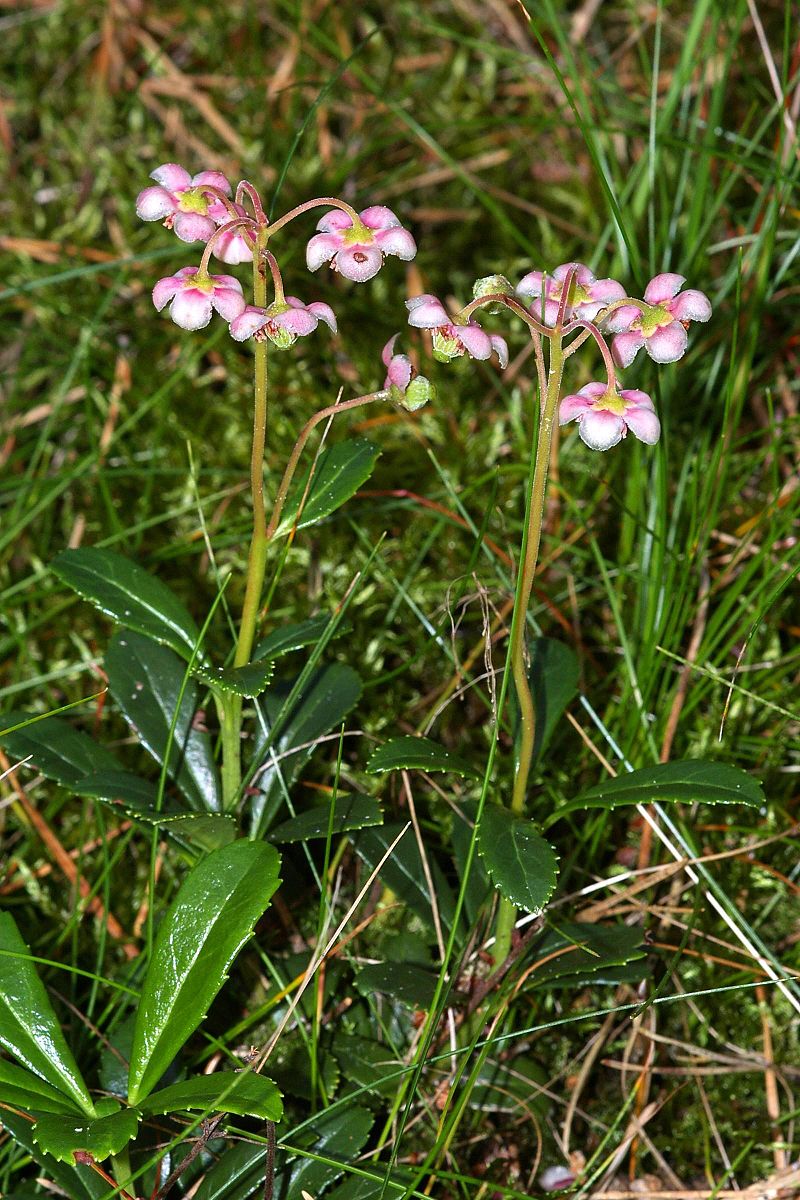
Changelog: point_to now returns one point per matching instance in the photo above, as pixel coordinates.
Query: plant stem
(519, 667)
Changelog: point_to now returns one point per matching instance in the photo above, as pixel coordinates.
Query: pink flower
(180, 201)
(589, 295)
(402, 382)
(231, 247)
(283, 322)
(661, 327)
(553, 1179)
(194, 296)
(605, 416)
(357, 250)
(451, 340)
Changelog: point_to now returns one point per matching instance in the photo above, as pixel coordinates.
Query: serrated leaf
(79, 1182)
(407, 753)
(125, 591)
(62, 1136)
(23, 1089)
(339, 472)
(349, 813)
(521, 864)
(553, 674)
(412, 984)
(135, 798)
(56, 749)
(206, 926)
(687, 781)
(294, 637)
(326, 699)
(145, 679)
(238, 1174)
(403, 872)
(29, 1028)
(242, 1092)
(340, 1135)
(367, 1063)
(478, 886)
(249, 680)
(582, 952)
(294, 1074)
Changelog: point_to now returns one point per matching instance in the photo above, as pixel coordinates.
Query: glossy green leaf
(145, 679)
(250, 680)
(521, 864)
(367, 1063)
(62, 1136)
(238, 1174)
(582, 952)
(55, 748)
(135, 798)
(417, 754)
(339, 472)
(294, 1076)
(205, 927)
(340, 1135)
(78, 1182)
(515, 1087)
(25, 1090)
(29, 1028)
(412, 984)
(478, 885)
(687, 781)
(242, 1092)
(403, 872)
(553, 674)
(294, 637)
(125, 591)
(349, 813)
(327, 698)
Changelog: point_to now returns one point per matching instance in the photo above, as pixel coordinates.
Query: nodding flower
(283, 321)
(661, 326)
(404, 385)
(182, 202)
(605, 415)
(588, 296)
(356, 249)
(451, 339)
(194, 295)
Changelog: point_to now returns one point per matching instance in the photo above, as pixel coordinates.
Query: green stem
(519, 667)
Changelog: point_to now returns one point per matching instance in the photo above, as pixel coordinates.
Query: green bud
(418, 393)
(445, 348)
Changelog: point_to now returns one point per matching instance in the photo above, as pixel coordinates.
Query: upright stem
(519, 668)
(231, 712)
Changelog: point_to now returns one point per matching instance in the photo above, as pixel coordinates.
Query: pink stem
(245, 223)
(277, 281)
(593, 331)
(515, 306)
(327, 201)
(247, 189)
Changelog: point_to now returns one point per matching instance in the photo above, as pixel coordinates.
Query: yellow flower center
(193, 200)
(611, 402)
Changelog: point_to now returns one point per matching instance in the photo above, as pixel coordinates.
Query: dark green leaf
(515, 1087)
(349, 813)
(129, 594)
(250, 680)
(80, 1182)
(373, 1187)
(293, 637)
(240, 1092)
(688, 781)
(145, 679)
(29, 1028)
(403, 981)
(367, 1063)
(339, 473)
(416, 754)
(238, 1174)
(294, 1073)
(135, 798)
(56, 749)
(325, 701)
(478, 888)
(403, 873)
(206, 926)
(338, 1135)
(62, 1136)
(521, 864)
(23, 1089)
(554, 673)
(585, 952)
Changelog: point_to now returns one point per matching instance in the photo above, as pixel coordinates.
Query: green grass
(652, 142)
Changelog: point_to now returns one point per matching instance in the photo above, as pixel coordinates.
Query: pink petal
(213, 179)
(246, 324)
(601, 430)
(501, 349)
(228, 281)
(397, 241)
(164, 290)
(321, 249)
(400, 372)
(171, 176)
(572, 407)
(691, 306)
(637, 398)
(426, 312)
(377, 216)
(583, 275)
(324, 312)
(191, 308)
(606, 290)
(626, 346)
(530, 284)
(232, 248)
(667, 344)
(594, 391)
(229, 302)
(388, 350)
(551, 308)
(476, 343)
(298, 321)
(334, 221)
(663, 287)
(621, 318)
(193, 227)
(154, 203)
(359, 262)
(644, 423)
(553, 1179)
